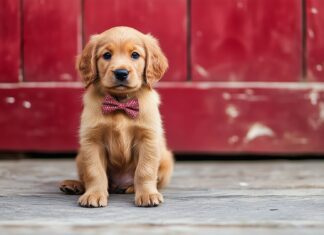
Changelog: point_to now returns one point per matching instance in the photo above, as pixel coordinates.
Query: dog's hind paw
(73, 187)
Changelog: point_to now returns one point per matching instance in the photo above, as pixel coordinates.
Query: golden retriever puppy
(122, 143)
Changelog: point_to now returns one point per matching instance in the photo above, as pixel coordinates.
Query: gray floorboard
(262, 197)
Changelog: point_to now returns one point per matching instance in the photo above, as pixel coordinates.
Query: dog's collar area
(121, 98)
(111, 104)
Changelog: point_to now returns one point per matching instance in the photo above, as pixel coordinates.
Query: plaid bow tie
(131, 107)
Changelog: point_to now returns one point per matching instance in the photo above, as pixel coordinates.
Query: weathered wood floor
(268, 197)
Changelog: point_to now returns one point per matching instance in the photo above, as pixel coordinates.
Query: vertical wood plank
(164, 19)
(9, 40)
(246, 40)
(52, 38)
(315, 40)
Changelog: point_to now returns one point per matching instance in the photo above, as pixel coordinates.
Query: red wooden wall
(246, 40)
(245, 75)
(10, 41)
(51, 39)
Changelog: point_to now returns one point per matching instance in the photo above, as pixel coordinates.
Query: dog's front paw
(94, 199)
(147, 199)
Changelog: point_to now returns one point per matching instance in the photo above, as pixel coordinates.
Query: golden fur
(117, 153)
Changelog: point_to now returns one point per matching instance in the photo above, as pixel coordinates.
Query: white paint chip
(233, 139)
(226, 96)
(10, 100)
(26, 104)
(314, 10)
(66, 77)
(242, 96)
(258, 130)
(202, 71)
(313, 97)
(319, 67)
(318, 120)
(311, 33)
(295, 138)
(232, 111)
(243, 184)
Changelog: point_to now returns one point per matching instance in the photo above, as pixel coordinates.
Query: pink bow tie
(131, 107)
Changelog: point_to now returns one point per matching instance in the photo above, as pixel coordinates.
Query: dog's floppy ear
(156, 62)
(87, 63)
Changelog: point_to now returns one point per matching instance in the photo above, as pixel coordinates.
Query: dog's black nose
(121, 74)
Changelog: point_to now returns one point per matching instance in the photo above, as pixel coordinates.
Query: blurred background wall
(245, 75)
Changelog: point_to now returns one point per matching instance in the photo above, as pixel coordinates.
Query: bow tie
(131, 107)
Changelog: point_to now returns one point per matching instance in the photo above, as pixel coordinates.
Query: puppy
(122, 143)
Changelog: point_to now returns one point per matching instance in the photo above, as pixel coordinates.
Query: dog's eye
(106, 56)
(135, 55)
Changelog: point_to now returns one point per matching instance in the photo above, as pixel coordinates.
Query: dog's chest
(119, 144)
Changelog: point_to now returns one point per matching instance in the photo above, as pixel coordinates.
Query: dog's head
(121, 60)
